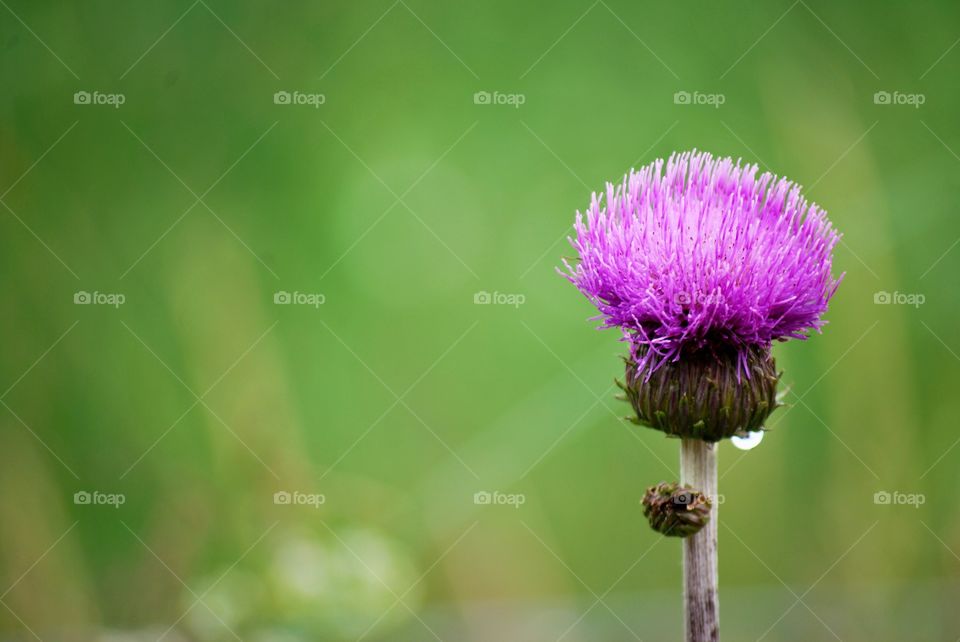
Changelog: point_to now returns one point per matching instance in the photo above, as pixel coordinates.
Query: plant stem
(698, 468)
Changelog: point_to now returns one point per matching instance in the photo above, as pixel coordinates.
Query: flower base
(705, 395)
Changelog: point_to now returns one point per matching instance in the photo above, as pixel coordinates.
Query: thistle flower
(704, 254)
(702, 262)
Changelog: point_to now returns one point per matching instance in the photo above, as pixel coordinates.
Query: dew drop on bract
(752, 440)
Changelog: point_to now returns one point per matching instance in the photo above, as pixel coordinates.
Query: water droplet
(752, 440)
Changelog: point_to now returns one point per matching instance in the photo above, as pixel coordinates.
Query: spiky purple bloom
(704, 255)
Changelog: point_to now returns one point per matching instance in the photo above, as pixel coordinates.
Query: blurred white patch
(752, 440)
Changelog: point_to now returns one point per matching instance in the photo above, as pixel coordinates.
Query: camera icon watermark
(498, 98)
(896, 498)
(299, 98)
(499, 298)
(899, 98)
(315, 299)
(698, 98)
(97, 498)
(496, 498)
(899, 298)
(82, 297)
(297, 498)
(98, 98)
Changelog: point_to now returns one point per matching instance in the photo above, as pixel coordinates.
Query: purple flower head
(704, 255)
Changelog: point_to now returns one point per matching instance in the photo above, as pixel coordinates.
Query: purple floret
(704, 255)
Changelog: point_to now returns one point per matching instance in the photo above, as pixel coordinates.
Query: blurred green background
(298, 282)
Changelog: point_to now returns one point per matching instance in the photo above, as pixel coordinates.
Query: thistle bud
(675, 510)
(704, 395)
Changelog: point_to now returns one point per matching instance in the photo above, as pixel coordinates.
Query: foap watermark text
(498, 98)
(899, 98)
(82, 297)
(315, 299)
(299, 98)
(698, 298)
(896, 498)
(98, 98)
(496, 498)
(297, 498)
(899, 298)
(499, 298)
(698, 98)
(98, 498)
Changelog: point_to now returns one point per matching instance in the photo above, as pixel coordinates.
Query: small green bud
(675, 510)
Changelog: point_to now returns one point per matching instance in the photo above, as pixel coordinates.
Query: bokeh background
(214, 295)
